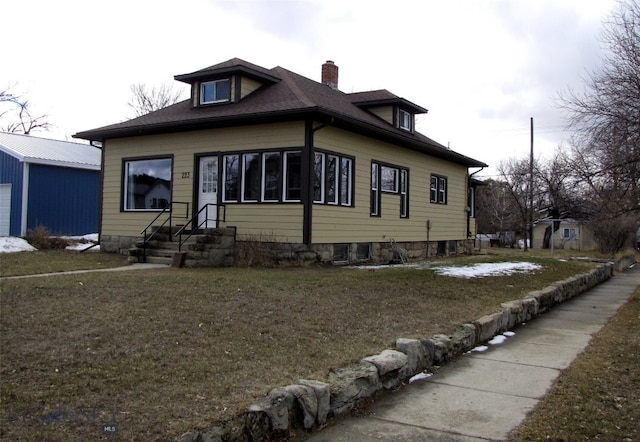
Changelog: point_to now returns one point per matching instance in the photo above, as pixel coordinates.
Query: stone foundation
(255, 252)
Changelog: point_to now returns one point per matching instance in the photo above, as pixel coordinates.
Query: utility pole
(530, 190)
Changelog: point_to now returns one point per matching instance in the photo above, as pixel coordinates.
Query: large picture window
(147, 183)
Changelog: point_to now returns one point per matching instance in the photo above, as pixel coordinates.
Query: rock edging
(308, 404)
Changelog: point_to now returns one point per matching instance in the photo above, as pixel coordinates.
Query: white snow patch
(470, 271)
(488, 269)
(10, 244)
(420, 376)
(480, 348)
(509, 334)
(497, 340)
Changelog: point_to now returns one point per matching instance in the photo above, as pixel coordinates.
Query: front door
(208, 192)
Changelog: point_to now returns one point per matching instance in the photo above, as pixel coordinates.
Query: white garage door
(5, 208)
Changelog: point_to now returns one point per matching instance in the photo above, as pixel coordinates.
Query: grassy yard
(166, 351)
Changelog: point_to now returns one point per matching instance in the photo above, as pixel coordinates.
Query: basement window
(363, 251)
(340, 253)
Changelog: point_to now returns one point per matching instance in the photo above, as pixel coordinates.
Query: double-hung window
(292, 176)
(332, 179)
(375, 189)
(271, 176)
(404, 120)
(217, 91)
(146, 183)
(231, 177)
(387, 178)
(438, 189)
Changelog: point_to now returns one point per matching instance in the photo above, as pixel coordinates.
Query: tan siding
(248, 85)
(384, 112)
(183, 147)
(271, 222)
(284, 221)
(449, 221)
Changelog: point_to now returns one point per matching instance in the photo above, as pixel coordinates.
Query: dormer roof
(383, 97)
(229, 67)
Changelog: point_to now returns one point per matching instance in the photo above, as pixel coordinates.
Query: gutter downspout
(469, 212)
(307, 190)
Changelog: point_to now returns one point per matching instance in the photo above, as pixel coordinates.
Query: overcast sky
(483, 68)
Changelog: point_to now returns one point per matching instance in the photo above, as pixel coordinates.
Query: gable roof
(286, 96)
(30, 149)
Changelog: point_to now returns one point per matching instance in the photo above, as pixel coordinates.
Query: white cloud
(481, 67)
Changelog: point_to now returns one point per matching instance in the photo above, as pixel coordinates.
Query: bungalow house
(277, 156)
(49, 183)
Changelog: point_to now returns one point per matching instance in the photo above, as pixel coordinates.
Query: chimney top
(330, 74)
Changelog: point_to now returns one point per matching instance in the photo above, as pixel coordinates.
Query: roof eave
(339, 120)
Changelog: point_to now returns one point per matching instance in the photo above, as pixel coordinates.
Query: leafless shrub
(260, 250)
(41, 239)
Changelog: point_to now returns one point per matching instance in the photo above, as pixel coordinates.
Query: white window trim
(285, 172)
(336, 180)
(263, 184)
(224, 178)
(348, 183)
(401, 120)
(215, 82)
(244, 175)
(396, 181)
(322, 176)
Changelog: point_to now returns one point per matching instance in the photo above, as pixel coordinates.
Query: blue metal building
(49, 183)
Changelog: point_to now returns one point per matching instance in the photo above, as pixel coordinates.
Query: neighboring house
(49, 183)
(279, 156)
(569, 234)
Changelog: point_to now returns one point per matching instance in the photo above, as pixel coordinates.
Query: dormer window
(404, 120)
(217, 91)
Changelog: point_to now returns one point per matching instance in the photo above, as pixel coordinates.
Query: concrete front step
(168, 261)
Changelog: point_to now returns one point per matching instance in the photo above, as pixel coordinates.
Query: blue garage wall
(11, 171)
(63, 199)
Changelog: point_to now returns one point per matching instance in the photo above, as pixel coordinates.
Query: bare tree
(515, 174)
(16, 110)
(606, 116)
(145, 100)
(496, 213)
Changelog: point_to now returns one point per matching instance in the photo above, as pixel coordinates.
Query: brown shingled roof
(286, 96)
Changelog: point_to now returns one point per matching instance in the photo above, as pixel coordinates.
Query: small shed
(568, 234)
(49, 183)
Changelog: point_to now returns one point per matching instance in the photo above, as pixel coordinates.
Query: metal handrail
(168, 208)
(204, 221)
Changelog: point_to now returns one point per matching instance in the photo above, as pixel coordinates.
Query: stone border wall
(308, 404)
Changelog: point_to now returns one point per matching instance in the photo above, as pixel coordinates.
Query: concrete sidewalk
(484, 395)
(136, 266)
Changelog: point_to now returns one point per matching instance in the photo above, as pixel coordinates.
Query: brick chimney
(330, 74)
